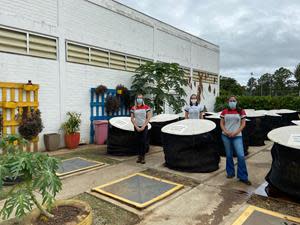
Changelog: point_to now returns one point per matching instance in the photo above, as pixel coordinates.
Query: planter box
(51, 141)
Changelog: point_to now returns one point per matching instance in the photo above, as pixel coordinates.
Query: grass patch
(92, 154)
(105, 213)
(172, 177)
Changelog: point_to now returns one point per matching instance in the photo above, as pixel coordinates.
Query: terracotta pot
(88, 220)
(72, 140)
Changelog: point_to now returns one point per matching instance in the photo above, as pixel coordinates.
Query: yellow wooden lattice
(14, 97)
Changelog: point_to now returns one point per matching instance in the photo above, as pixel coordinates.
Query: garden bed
(92, 154)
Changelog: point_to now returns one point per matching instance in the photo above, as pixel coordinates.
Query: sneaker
(247, 182)
(230, 176)
(139, 160)
(143, 160)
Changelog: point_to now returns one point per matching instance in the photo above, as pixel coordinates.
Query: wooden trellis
(15, 97)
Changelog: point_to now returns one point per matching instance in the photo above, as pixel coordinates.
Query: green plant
(101, 89)
(160, 83)
(262, 102)
(112, 104)
(38, 173)
(31, 123)
(9, 142)
(1, 123)
(72, 125)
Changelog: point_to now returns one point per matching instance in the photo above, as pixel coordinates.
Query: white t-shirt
(194, 111)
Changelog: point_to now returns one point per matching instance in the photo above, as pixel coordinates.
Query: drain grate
(138, 190)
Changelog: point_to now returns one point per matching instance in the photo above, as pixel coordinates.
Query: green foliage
(1, 123)
(31, 123)
(72, 125)
(8, 143)
(229, 86)
(262, 102)
(38, 174)
(297, 74)
(159, 83)
(112, 104)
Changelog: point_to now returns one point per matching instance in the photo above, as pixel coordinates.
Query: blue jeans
(237, 144)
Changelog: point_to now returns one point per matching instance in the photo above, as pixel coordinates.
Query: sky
(255, 36)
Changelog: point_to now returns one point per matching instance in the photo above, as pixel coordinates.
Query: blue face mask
(232, 105)
(139, 101)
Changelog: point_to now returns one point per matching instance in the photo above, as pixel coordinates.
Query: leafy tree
(252, 86)
(281, 77)
(229, 86)
(160, 82)
(38, 174)
(265, 84)
(297, 75)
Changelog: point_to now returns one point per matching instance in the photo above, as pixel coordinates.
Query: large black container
(158, 122)
(189, 146)
(284, 174)
(122, 139)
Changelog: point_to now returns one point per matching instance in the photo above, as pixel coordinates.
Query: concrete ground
(216, 200)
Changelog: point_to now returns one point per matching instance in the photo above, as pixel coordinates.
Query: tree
(252, 86)
(38, 174)
(297, 76)
(229, 86)
(159, 83)
(265, 84)
(280, 78)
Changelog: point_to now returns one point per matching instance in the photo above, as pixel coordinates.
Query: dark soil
(105, 213)
(172, 177)
(62, 215)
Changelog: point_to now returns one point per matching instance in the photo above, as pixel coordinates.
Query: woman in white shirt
(194, 109)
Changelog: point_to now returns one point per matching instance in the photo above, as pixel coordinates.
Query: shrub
(31, 123)
(72, 125)
(262, 102)
(38, 173)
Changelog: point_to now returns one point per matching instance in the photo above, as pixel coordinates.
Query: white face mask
(193, 101)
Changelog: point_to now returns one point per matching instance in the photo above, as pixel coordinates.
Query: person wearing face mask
(194, 109)
(140, 116)
(233, 121)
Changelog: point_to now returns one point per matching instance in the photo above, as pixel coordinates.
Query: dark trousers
(141, 141)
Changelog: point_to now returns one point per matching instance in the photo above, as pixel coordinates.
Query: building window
(27, 43)
(94, 56)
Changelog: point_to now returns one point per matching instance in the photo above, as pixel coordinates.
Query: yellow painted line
(247, 213)
(98, 164)
(136, 204)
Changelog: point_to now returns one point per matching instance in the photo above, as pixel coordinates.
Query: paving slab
(203, 205)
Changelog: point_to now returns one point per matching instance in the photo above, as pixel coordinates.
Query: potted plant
(31, 123)
(39, 173)
(101, 89)
(120, 89)
(71, 128)
(112, 104)
(51, 141)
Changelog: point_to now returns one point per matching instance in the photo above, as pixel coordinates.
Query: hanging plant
(31, 123)
(126, 98)
(101, 89)
(214, 91)
(200, 89)
(112, 104)
(120, 89)
(190, 82)
(209, 88)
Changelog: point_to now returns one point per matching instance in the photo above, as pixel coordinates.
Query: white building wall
(106, 24)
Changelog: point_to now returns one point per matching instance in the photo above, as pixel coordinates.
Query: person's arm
(148, 117)
(201, 115)
(186, 115)
(241, 128)
(186, 112)
(133, 121)
(222, 125)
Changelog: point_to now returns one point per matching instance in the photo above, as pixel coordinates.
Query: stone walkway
(216, 200)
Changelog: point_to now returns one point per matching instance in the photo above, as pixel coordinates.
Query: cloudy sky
(256, 36)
